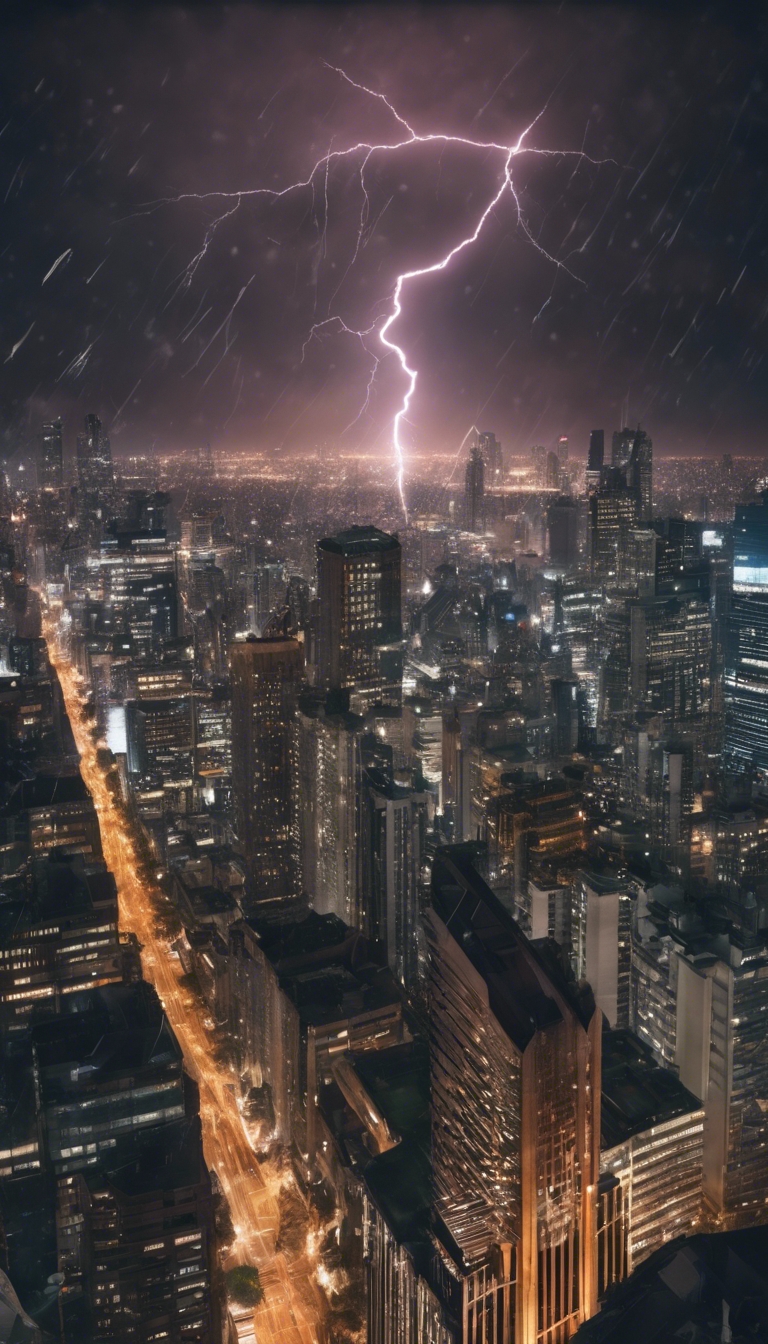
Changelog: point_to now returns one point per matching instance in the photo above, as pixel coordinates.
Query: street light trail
(291, 1311)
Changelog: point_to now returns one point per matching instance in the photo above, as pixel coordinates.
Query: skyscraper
(95, 477)
(613, 513)
(330, 780)
(596, 458)
(491, 450)
(554, 475)
(266, 679)
(671, 655)
(746, 653)
(632, 454)
(359, 615)
(563, 527)
(53, 455)
(474, 491)
(640, 472)
(515, 1116)
(394, 824)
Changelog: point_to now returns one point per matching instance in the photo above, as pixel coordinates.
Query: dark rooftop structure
(108, 1032)
(518, 975)
(637, 1094)
(688, 1290)
(64, 889)
(400, 1180)
(325, 994)
(47, 791)
(313, 937)
(359, 540)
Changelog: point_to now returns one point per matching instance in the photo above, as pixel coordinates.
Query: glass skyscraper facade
(746, 659)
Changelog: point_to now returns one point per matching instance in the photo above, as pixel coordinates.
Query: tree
(244, 1285)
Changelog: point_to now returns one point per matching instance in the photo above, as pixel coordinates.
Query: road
(292, 1308)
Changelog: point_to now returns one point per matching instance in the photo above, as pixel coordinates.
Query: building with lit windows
(614, 511)
(492, 457)
(652, 1150)
(51, 812)
(134, 1202)
(528, 821)
(595, 458)
(137, 1245)
(722, 1057)
(600, 939)
(266, 678)
(394, 826)
(632, 454)
(359, 646)
(374, 1121)
(330, 782)
(671, 656)
(95, 474)
(52, 473)
(515, 1116)
(300, 995)
(746, 651)
(474, 491)
(57, 937)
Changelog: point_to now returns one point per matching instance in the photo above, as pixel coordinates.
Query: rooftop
(47, 791)
(359, 541)
(526, 994)
(107, 1033)
(64, 890)
(678, 1294)
(637, 1094)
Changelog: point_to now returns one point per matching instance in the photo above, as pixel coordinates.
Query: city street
(292, 1307)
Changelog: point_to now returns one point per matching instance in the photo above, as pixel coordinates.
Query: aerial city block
(383, 677)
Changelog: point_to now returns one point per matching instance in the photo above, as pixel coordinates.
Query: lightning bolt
(383, 327)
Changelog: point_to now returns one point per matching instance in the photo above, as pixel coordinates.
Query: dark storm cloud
(176, 329)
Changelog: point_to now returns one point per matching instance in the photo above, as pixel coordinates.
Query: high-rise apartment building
(632, 454)
(699, 999)
(107, 1075)
(613, 514)
(722, 1057)
(554, 476)
(599, 939)
(394, 830)
(746, 652)
(595, 458)
(651, 1160)
(529, 821)
(52, 474)
(122, 1134)
(359, 615)
(137, 1245)
(671, 655)
(330, 784)
(267, 676)
(515, 1116)
(640, 472)
(95, 475)
(60, 937)
(491, 450)
(563, 528)
(474, 491)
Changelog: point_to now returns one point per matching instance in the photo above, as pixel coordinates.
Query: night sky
(656, 312)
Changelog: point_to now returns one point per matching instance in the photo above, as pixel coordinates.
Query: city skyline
(660, 323)
(383, 675)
